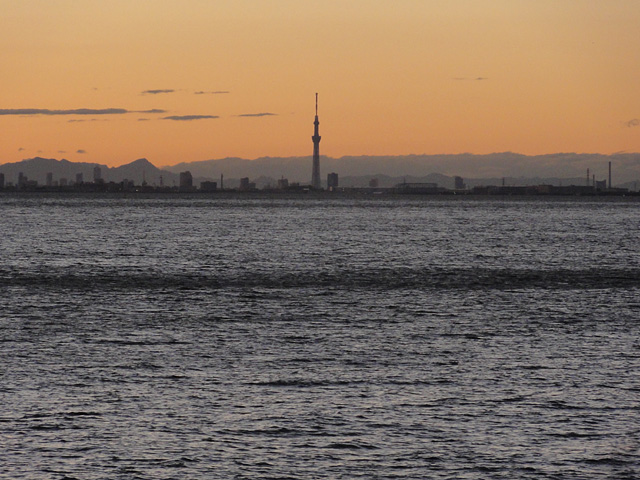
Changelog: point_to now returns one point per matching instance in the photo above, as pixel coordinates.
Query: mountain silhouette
(490, 169)
(38, 167)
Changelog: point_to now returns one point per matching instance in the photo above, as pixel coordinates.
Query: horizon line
(506, 152)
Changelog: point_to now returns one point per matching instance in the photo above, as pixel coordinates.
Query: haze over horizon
(555, 169)
(189, 81)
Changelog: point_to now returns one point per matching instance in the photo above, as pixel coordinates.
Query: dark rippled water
(263, 337)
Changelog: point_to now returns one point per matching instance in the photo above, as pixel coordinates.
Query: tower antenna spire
(315, 173)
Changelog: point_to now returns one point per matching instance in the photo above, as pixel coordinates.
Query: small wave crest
(383, 279)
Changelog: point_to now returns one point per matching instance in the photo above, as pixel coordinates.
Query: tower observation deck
(315, 174)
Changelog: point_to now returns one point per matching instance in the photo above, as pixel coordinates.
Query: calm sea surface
(307, 337)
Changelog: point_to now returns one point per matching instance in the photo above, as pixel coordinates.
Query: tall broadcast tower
(315, 175)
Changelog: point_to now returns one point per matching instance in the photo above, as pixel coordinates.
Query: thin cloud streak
(632, 123)
(75, 111)
(264, 114)
(156, 92)
(216, 92)
(189, 117)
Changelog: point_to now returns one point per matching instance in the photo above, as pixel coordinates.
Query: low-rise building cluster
(245, 184)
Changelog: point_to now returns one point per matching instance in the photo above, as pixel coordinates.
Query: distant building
(49, 179)
(79, 178)
(208, 186)
(24, 182)
(283, 183)
(186, 180)
(97, 174)
(601, 184)
(459, 183)
(1, 180)
(332, 181)
(63, 182)
(417, 188)
(245, 184)
(373, 183)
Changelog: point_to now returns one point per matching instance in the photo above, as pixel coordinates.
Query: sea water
(265, 336)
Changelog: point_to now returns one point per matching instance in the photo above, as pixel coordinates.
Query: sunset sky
(186, 80)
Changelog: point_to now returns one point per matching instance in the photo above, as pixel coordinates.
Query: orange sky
(401, 77)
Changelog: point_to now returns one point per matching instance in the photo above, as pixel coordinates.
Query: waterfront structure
(459, 183)
(315, 173)
(208, 186)
(332, 181)
(186, 180)
(1, 180)
(79, 178)
(49, 179)
(97, 174)
(417, 188)
(283, 183)
(246, 185)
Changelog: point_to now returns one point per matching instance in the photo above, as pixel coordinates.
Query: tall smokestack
(588, 177)
(610, 176)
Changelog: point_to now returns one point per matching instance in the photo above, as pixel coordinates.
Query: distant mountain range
(492, 169)
(37, 168)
